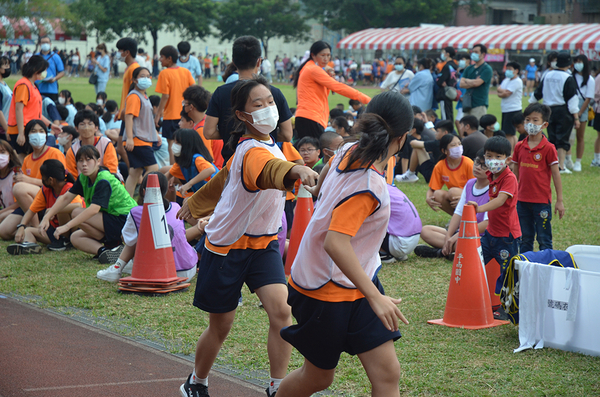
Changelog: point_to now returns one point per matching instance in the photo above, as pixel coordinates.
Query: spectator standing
(510, 92)
(399, 79)
(596, 161)
(5, 95)
(476, 79)
(266, 69)
(586, 86)
(447, 78)
(191, 63)
(101, 68)
(421, 86)
(532, 77)
(279, 65)
(207, 66)
(56, 70)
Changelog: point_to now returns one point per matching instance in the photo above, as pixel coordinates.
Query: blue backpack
(191, 172)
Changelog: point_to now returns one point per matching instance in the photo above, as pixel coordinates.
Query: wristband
(21, 224)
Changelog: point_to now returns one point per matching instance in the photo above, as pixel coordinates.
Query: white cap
(531, 60)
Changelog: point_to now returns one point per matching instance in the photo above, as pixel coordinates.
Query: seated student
(336, 112)
(56, 182)
(341, 126)
(99, 110)
(66, 137)
(310, 150)
(107, 206)
(425, 155)
(453, 170)
(432, 117)
(519, 124)
(329, 143)
(29, 179)
(404, 228)
(415, 134)
(101, 98)
(113, 126)
(9, 161)
(63, 113)
(186, 122)
(357, 108)
(65, 99)
(474, 139)
(489, 124)
(183, 253)
(442, 242)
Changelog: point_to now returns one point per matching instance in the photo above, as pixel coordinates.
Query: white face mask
(265, 119)
(533, 129)
(99, 102)
(63, 140)
(45, 47)
(176, 149)
(455, 152)
(578, 67)
(495, 166)
(61, 100)
(37, 140)
(4, 159)
(553, 64)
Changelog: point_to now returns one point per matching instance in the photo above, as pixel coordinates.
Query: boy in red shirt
(502, 237)
(536, 161)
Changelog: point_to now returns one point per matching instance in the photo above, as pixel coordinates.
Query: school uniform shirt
(433, 148)
(471, 193)
(200, 163)
(5, 98)
(512, 103)
(557, 88)
(6, 190)
(108, 155)
(173, 81)
(127, 78)
(28, 94)
(504, 220)
(72, 112)
(451, 177)
(144, 131)
(31, 166)
(404, 218)
(535, 170)
(45, 198)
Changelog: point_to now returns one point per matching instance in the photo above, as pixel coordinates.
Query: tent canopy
(510, 37)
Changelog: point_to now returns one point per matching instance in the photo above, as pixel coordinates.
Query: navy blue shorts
(141, 156)
(13, 142)
(220, 278)
(169, 127)
(501, 249)
(113, 225)
(50, 234)
(326, 329)
(426, 169)
(20, 212)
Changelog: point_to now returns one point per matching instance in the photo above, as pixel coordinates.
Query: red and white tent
(510, 37)
(22, 29)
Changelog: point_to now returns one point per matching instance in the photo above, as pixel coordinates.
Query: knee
(220, 329)
(440, 195)
(321, 380)
(20, 189)
(280, 314)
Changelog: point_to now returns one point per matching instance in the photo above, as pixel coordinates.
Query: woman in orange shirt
(314, 82)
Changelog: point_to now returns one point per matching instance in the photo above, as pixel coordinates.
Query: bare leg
(211, 340)
(132, 179)
(597, 144)
(434, 236)
(305, 381)
(444, 198)
(383, 370)
(8, 227)
(580, 140)
(513, 140)
(24, 194)
(87, 239)
(33, 235)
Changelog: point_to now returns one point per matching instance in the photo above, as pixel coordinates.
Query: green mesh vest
(120, 202)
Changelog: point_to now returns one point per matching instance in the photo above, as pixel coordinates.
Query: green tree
(264, 19)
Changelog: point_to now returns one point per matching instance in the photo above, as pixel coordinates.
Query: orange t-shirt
(133, 106)
(127, 77)
(109, 159)
(200, 130)
(457, 177)
(45, 198)
(21, 95)
(173, 81)
(31, 166)
(201, 165)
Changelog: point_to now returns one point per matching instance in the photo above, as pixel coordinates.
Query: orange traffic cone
(468, 304)
(153, 264)
(302, 215)
(492, 271)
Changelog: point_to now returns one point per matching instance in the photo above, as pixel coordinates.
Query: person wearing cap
(532, 76)
(559, 91)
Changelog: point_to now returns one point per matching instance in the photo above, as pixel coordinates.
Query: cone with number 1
(468, 304)
(153, 264)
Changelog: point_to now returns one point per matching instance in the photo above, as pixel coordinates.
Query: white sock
(578, 160)
(274, 385)
(194, 380)
(568, 157)
(410, 173)
(121, 263)
(597, 157)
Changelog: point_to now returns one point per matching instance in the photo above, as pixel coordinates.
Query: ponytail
(53, 168)
(135, 75)
(373, 142)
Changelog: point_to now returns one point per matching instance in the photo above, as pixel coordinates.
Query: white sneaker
(565, 171)
(569, 164)
(406, 177)
(577, 167)
(112, 274)
(128, 268)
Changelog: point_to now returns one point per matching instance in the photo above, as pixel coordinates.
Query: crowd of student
(69, 173)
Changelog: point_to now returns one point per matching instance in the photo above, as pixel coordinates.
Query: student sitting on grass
(56, 183)
(66, 138)
(453, 170)
(107, 206)
(185, 256)
(441, 241)
(9, 161)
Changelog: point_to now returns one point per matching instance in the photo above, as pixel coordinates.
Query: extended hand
(385, 308)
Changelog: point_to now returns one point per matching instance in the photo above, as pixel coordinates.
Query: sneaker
(577, 167)
(24, 248)
(565, 171)
(128, 268)
(269, 394)
(569, 164)
(500, 314)
(110, 255)
(60, 245)
(387, 258)
(193, 390)
(406, 178)
(595, 163)
(426, 251)
(112, 274)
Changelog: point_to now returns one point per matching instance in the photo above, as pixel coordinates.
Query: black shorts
(560, 126)
(13, 142)
(507, 124)
(141, 156)
(426, 169)
(20, 212)
(307, 127)
(169, 127)
(596, 122)
(326, 329)
(113, 225)
(54, 97)
(50, 234)
(220, 278)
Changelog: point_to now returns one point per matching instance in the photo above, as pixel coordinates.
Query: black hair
(463, 55)
(170, 52)
(353, 102)
(183, 114)
(191, 143)
(154, 100)
(499, 133)
(197, 96)
(239, 97)
(514, 65)
(482, 48)
(53, 168)
(63, 112)
(450, 51)
(27, 148)
(308, 140)
(36, 64)
(245, 52)
(79, 106)
(395, 109)
(480, 155)
(86, 114)
(135, 75)
(446, 125)
(110, 107)
(430, 113)
(341, 122)
(499, 145)
(326, 138)
(67, 95)
(416, 110)
(425, 62)
(128, 44)
(335, 112)
(418, 125)
(184, 47)
(400, 57)
(471, 121)
(71, 131)
(552, 55)
(102, 95)
(87, 152)
(96, 108)
(518, 119)
(444, 142)
(164, 187)
(140, 51)
(4, 60)
(585, 73)
(486, 120)
(540, 108)
(317, 47)
(13, 158)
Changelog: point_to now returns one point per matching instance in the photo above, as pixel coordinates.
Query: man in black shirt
(447, 79)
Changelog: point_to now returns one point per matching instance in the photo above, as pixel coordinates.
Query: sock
(597, 157)
(194, 380)
(274, 385)
(578, 160)
(120, 263)
(568, 157)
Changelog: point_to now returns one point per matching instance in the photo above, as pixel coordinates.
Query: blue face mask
(399, 68)
(509, 74)
(475, 57)
(497, 126)
(462, 64)
(144, 83)
(443, 56)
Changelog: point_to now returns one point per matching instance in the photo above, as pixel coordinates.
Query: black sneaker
(59, 245)
(110, 256)
(387, 258)
(500, 314)
(193, 390)
(269, 394)
(24, 248)
(426, 251)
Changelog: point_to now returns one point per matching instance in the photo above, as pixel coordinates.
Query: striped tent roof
(511, 37)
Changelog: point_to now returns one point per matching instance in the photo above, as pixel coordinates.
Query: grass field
(434, 360)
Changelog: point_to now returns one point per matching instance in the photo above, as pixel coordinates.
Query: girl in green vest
(107, 206)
